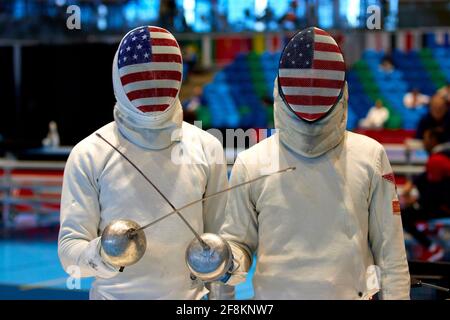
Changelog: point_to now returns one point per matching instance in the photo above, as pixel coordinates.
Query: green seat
(257, 76)
(361, 65)
(204, 115)
(425, 52)
(394, 121)
(244, 110)
(253, 56)
(430, 64)
(365, 76)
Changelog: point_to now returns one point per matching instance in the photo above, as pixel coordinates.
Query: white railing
(27, 186)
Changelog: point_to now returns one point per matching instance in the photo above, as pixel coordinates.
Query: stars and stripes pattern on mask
(150, 68)
(311, 73)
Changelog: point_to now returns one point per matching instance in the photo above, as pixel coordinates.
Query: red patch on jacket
(396, 207)
(389, 177)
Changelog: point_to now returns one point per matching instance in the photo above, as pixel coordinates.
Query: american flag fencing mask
(150, 68)
(311, 74)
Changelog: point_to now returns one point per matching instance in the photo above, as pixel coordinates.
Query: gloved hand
(218, 289)
(92, 258)
(227, 275)
(239, 268)
(233, 267)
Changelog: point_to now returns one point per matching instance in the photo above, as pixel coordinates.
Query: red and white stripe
(312, 92)
(153, 87)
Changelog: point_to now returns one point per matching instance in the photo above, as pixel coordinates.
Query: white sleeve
(241, 224)
(214, 208)
(78, 242)
(386, 232)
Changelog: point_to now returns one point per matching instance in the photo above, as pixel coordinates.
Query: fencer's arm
(214, 207)
(386, 233)
(240, 228)
(79, 241)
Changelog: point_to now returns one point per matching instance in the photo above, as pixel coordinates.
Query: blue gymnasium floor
(30, 269)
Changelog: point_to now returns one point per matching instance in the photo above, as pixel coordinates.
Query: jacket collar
(310, 139)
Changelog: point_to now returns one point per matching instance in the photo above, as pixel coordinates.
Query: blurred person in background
(180, 21)
(52, 140)
(376, 117)
(219, 20)
(437, 116)
(434, 193)
(191, 105)
(268, 20)
(386, 64)
(445, 93)
(289, 21)
(414, 99)
(248, 23)
(167, 13)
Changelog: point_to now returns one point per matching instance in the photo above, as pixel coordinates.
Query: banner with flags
(226, 48)
(406, 40)
(222, 49)
(259, 43)
(274, 43)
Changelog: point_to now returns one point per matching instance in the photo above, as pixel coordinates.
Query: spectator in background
(376, 117)
(414, 99)
(434, 192)
(180, 21)
(386, 64)
(444, 92)
(190, 106)
(268, 19)
(167, 13)
(219, 20)
(289, 20)
(437, 116)
(52, 139)
(249, 20)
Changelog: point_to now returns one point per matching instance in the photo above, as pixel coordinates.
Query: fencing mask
(147, 74)
(311, 74)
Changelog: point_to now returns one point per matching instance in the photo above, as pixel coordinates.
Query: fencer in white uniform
(331, 229)
(99, 186)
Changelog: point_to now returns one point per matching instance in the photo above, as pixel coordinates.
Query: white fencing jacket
(100, 186)
(316, 230)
